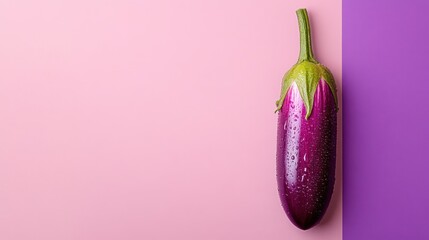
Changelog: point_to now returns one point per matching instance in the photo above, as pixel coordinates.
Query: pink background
(150, 119)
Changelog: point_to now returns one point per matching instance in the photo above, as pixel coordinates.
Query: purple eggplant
(306, 135)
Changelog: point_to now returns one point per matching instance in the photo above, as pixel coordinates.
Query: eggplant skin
(306, 155)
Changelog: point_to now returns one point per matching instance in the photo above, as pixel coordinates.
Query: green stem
(306, 51)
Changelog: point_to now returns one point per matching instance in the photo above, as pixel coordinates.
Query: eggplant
(306, 135)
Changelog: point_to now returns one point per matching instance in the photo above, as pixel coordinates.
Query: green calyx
(306, 75)
(307, 72)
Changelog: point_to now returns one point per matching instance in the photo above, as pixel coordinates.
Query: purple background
(386, 125)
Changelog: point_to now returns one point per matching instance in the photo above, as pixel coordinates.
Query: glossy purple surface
(306, 155)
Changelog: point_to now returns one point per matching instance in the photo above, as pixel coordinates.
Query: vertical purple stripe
(386, 123)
